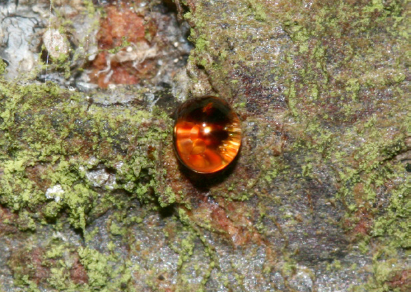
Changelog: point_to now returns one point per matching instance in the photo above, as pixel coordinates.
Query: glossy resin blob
(207, 134)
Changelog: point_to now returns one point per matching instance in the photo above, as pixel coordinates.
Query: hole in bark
(167, 211)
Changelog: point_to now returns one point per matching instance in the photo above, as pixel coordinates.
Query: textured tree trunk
(92, 197)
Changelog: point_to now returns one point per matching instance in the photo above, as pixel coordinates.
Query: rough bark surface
(92, 197)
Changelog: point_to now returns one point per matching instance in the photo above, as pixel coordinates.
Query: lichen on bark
(92, 196)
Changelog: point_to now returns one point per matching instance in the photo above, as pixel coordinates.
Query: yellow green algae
(339, 127)
(343, 104)
(50, 138)
(40, 129)
(53, 137)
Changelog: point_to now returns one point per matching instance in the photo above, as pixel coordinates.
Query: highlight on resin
(207, 134)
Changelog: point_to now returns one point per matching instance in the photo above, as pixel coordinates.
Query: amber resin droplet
(207, 134)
